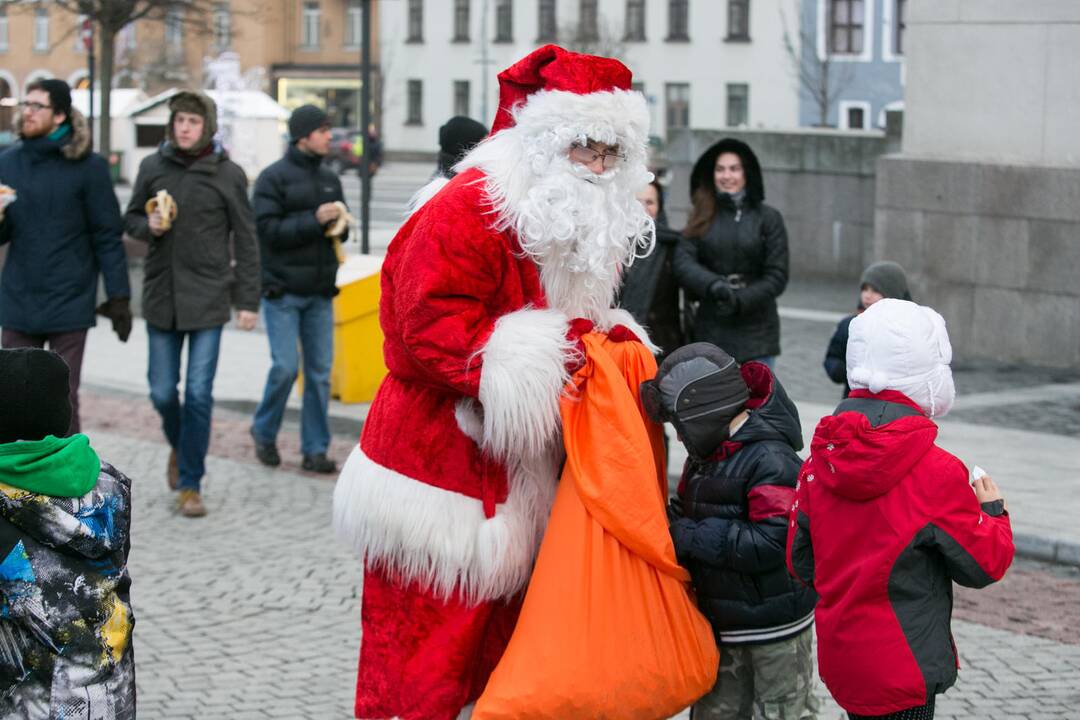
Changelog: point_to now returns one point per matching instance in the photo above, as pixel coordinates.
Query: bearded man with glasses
(62, 230)
(485, 291)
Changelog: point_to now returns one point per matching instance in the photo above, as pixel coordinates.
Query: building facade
(296, 50)
(700, 63)
(852, 67)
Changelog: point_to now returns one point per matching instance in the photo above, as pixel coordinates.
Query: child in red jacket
(885, 521)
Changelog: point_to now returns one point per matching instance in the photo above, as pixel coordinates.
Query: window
(149, 136)
(41, 29)
(461, 97)
(3, 29)
(901, 25)
(856, 118)
(222, 26)
(588, 23)
(638, 87)
(504, 20)
(461, 20)
(416, 21)
(174, 28)
(846, 20)
(854, 114)
(738, 20)
(738, 104)
(415, 111)
(677, 97)
(309, 25)
(546, 28)
(354, 25)
(635, 20)
(678, 20)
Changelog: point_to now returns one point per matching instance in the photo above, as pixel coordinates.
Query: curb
(1063, 552)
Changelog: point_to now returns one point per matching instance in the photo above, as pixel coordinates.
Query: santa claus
(485, 290)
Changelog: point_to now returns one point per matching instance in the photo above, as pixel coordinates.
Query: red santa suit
(447, 495)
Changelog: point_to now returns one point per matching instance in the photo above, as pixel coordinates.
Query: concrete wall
(994, 81)
(993, 248)
(822, 181)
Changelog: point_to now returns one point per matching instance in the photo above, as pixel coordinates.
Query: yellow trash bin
(358, 358)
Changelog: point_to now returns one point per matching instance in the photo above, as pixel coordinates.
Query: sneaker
(172, 472)
(190, 504)
(318, 463)
(266, 452)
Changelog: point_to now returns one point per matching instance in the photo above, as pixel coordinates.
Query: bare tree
(817, 75)
(606, 42)
(109, 17)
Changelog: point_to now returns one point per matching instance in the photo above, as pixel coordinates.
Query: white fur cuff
(521, 379)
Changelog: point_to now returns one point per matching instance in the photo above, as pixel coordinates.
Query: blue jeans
(187, 427)
(307, 321)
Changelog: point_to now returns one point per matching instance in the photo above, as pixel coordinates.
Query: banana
(342, 222)
(163, 202)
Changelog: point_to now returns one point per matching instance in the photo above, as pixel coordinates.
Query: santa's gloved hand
(621, 333)
(576, 359)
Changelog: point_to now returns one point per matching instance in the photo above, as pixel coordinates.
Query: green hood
(58, 467)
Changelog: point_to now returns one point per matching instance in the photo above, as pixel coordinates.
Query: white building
(701, 63)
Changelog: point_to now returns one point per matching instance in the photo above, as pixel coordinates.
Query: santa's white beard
(581, 229)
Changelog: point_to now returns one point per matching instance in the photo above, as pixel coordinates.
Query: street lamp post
(365, 121)
(88, 43)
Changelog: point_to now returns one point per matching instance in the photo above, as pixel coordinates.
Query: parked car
(346, 149)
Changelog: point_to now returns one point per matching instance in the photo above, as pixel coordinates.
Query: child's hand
(674, 509)
(986, 490)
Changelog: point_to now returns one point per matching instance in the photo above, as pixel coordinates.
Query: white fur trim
(620, 316)
(469, 417)
(441, 538)
(430, 190)
(521, 379)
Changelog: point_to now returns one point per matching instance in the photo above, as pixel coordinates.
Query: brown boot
(172, 473)
(190, 504)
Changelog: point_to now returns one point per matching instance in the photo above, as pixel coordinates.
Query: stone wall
(994, 248)
(822, 181)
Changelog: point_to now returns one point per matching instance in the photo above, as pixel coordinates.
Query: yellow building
(296, 50)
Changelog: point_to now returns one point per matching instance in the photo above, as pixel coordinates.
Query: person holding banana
(190, 204)
(302, 220)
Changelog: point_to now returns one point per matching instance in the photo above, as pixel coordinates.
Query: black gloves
(118, 310)
(704, 541)
(721, 293)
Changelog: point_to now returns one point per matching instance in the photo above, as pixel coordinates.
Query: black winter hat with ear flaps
(34, 395)
(698, 389)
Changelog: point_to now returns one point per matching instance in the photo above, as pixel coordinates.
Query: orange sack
(608, 628)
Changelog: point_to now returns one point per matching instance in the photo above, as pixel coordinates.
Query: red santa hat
(555, 87)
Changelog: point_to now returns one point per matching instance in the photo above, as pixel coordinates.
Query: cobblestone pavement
(253, 611)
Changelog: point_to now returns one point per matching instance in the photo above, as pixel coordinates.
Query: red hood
(861, 462)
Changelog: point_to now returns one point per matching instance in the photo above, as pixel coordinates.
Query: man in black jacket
(62, 230)
(192, 278)
(729, 527)
(295, 202)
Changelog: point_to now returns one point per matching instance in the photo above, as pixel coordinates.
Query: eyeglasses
(34, 107)
(587, 156)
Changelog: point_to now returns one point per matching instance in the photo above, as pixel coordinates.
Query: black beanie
(699, 389)
(59, 95)
(458, 136)
(305, 120)
(34, 395)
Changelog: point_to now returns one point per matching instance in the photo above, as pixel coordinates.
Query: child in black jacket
(729, 526)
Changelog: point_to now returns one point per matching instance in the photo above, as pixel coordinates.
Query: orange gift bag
(608, 628)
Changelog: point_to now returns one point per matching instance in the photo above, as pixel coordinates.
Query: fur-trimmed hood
(78, 142)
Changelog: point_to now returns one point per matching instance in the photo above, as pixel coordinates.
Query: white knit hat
(898, 345)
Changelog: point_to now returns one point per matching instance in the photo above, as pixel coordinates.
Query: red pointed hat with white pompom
(554, 85)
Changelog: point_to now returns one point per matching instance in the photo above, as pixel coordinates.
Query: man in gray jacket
(191, 279)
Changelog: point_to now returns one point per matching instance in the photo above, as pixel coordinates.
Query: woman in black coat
(649, 291)
(733, 258)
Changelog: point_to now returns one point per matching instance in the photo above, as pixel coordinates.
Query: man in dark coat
(734, 258)
(192, 278)
(296, 199)
(62, 230)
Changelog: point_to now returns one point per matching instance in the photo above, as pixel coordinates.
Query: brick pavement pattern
(253, 611)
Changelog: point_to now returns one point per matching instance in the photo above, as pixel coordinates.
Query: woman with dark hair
(733, 258)
(649, 291)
